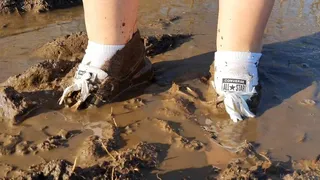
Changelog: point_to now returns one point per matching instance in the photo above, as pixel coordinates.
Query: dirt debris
(254, 165)
(53, 142)
(8, 143)
(39, 86)
(190, 144)
(126, 164)
(98, 146)
(92, 149)
(26, 147)
(47, 75)
(305, 169)
(14, 106)
(38, 6)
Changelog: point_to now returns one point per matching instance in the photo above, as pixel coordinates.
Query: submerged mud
(10, 6)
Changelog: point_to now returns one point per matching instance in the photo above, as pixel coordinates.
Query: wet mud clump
(14, 106)
(10, 6)
(65, 48)
(8, 143)
(73, 46)
(127, 164)
(38, 87)
(254, 165)
(98, 146)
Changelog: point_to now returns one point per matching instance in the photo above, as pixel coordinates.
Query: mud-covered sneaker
(128, 68)
(236, 82)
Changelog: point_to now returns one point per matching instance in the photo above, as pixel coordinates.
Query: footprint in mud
(178, 140)
(8, 143)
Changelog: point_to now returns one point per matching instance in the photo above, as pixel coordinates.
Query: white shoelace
(82, 82)
(236, 106)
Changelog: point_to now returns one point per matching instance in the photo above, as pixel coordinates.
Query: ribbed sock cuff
(97, 54)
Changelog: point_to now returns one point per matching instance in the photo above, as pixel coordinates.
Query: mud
(73, 46)
(258, 166)
(64, 48)
(173, 129)
(38, 87)
(20, 6)
(162, 43)
(42, 84)
(123, 165)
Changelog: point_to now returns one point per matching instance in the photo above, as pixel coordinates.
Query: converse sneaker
(128, 68)
(236, 82)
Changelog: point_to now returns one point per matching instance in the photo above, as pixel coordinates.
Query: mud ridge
(73, 46)
(126, 164)
(39, 87)
(38, 6)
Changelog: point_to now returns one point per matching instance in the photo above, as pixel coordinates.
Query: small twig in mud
(265, 157)
(106, 149)
(111, 111)
(74, 165)
(158, 176)
(112, 173)
(192, 92)
(114, 122)
(58, 58)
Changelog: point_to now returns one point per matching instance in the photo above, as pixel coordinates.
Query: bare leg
(111, 27)
(112, 21)
(241, 24)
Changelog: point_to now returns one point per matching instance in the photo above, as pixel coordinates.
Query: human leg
(115, 56)
(241, 27)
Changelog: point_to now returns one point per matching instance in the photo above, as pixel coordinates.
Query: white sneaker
(84, 81)
(235, 81)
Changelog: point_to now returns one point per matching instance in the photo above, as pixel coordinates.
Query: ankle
(98, 54)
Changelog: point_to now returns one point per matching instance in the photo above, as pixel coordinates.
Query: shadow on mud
(285, 69)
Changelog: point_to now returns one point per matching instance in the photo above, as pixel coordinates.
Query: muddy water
(287, 123)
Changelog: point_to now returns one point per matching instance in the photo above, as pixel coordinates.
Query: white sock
(97, 54)
(235, 78)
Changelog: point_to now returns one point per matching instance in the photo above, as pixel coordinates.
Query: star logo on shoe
(232, 87)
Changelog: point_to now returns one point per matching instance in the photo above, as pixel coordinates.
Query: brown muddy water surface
(288, 122)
